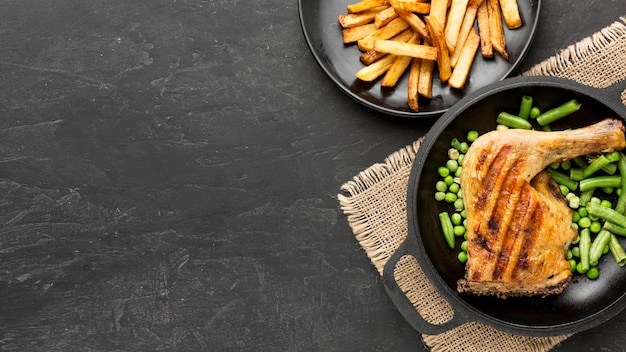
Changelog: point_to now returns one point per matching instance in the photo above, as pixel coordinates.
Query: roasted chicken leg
(518, 223)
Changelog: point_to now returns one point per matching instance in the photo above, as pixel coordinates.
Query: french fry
(510, 12)
(412, 6)
(468, 53)
(372, 55)
(398, 67)
(414, 22)
(412, 91)
(373, 71)
(406, 49)
(351, 35)
(438, 10)
(466, 27)
(365, 5)
(385, 16)
(482, 17)
(425, 85)
(456, 14)
(496, 31)
(390, 30)
(439, 41)
(351, 20)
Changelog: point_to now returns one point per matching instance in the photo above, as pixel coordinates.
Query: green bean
(453, 153)
(585, 197)
(558, 112)
(614, 228)
(456, 143)
(576, 174)
(617, 250)
(512, 121)
(580, 161)
(599, 182)
(562, 179)
(447, 227)
(525, 106)
(620, 206)
(472, 136)
(596, 165)
(607, 214)
(597, 246)
(584, 244)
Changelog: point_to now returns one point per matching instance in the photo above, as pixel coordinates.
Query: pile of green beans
(593, 186)
(595, 189)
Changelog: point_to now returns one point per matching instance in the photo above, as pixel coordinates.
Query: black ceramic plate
(319, 20)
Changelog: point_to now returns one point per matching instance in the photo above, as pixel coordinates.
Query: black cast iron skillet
(585, 303)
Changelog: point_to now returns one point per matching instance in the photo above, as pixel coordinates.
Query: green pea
(441, 186)
(595, 227)
(452, 165)
(593, 273)
(448, 180)
(450, 197)
(584, 222)
(575, 217)
(579, 269)
(534, 112)
(458, 203)
(439, 196)
(572, 262)
(459, 230)
(606, 203)
(443, 171)
(576, 251)
(462, 256)
(456, 219)
(464, 245)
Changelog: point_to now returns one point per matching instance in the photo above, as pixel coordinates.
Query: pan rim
(452, 297)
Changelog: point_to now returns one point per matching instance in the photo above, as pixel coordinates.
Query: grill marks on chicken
(518, 225)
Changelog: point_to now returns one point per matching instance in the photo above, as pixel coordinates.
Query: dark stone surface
(168, 180)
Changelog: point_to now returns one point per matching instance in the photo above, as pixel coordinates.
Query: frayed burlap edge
(380, 226)
(592, 61)
(392, 223)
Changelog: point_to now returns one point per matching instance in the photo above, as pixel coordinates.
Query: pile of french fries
(415, 35)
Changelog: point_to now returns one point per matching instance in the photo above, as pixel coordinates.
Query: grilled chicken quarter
(518, 222)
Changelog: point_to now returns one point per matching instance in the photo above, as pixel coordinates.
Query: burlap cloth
(374, 203)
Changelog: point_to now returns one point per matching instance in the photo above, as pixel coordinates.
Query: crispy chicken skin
(518, 223)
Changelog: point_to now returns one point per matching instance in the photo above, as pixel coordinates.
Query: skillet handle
(404, 305)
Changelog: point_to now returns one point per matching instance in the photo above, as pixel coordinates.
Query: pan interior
(584, 298)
